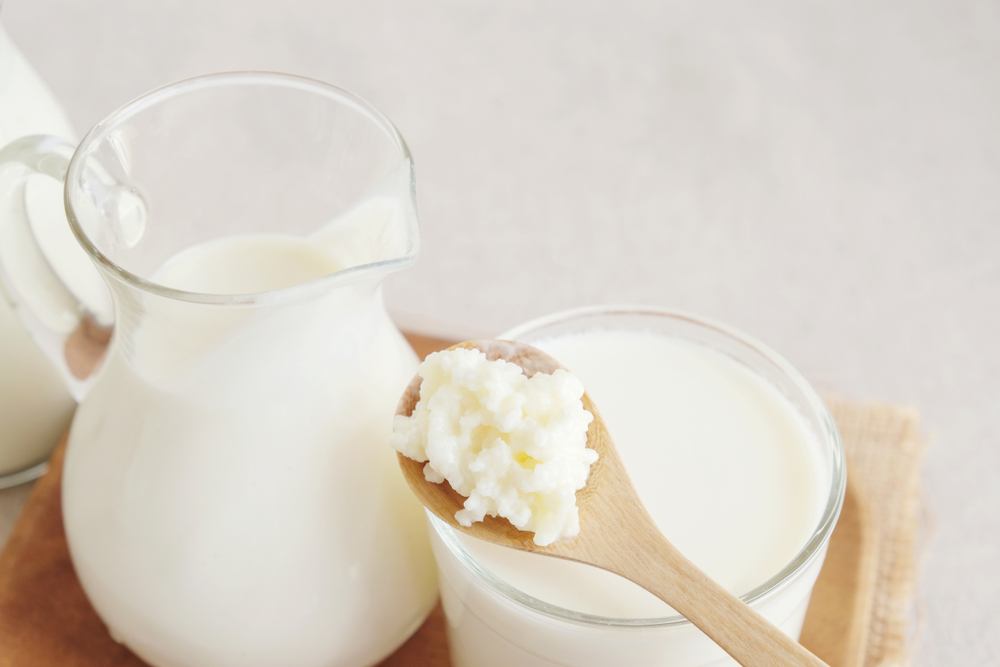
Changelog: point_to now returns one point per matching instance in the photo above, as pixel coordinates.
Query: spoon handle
(748, 637)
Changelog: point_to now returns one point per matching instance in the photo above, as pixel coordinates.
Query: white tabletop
(825, 176)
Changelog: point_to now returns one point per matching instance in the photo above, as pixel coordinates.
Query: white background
(825, 176)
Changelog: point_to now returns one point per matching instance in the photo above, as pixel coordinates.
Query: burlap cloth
(859, 615)
(862, 607)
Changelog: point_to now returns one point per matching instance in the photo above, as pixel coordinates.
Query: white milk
(35, 407)
(230, 495)
(724, 463)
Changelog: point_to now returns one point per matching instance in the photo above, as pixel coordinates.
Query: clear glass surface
(229, 494)
(35, 406)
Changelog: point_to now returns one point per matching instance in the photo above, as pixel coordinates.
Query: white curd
(514, 446)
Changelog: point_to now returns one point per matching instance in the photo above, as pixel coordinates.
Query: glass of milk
(733, 454)
(230, 496)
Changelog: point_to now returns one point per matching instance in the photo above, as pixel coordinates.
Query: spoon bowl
(444, 501)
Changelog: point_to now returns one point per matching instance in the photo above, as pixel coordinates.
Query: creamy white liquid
(230, 495)
(35, 407)
(722, 461)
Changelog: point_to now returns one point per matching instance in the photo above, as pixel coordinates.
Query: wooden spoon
(616, 534)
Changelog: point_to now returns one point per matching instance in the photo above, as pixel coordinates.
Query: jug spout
(380, 233)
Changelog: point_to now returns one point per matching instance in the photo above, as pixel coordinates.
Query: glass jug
(35, 406)
(229, 494)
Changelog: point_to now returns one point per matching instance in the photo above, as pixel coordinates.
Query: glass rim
(806, 555)
(166, 92)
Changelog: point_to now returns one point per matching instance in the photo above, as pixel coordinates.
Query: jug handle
(58, 320)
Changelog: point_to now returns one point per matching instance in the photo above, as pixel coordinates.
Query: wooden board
(46, 621)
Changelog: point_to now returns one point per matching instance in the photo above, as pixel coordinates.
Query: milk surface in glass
(726, 465)
(230, 495)
(35, 406)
